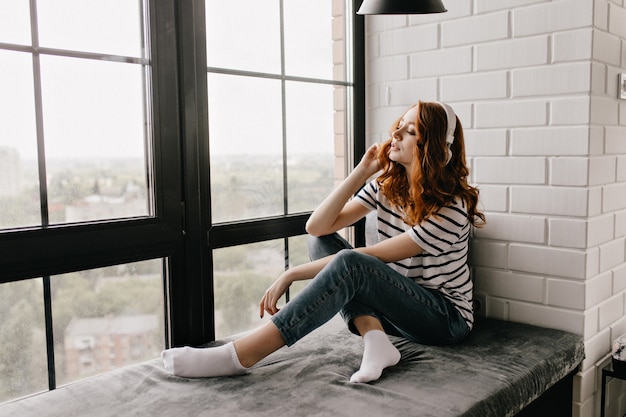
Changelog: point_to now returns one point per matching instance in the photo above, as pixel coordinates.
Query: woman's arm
(393, 249)
(336, 212)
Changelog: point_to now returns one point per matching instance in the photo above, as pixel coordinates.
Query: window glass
(311, 128)
(245, 134)
(243, 34)
(23, 363)
(309, 38)
(107, 318)
(241, 276)
(102, 26)
(19, 183)
(15, 22)
(94, 123)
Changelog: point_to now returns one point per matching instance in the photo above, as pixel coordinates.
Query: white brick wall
(558, 201)
(514, 228)
(570, 111)
(511, 113)
(478, 28)
(550, 17)
(550, 141)
(572, 45)
(441, 62)
(492, 142)
(534, 83)
(615, 139)
(528, 170)
(556, 79)
(489, 85)
(505, 54)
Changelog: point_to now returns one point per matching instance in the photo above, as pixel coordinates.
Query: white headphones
(451, 116)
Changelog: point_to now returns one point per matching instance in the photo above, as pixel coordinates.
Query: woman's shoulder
(456, 209)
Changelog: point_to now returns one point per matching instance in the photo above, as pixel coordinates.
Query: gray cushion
(500, 368)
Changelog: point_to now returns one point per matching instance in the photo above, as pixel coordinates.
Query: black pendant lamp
(401, 7)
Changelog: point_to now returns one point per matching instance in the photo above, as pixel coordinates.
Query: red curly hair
(434, 182)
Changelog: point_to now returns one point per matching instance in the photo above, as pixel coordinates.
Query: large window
(152, 177)
(278, 97)
(85, 232)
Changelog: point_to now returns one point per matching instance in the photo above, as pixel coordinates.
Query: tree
(23, 363)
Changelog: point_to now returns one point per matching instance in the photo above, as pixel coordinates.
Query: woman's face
(404, 139)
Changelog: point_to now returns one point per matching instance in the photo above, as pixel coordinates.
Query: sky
(91, 108)
(94, 108)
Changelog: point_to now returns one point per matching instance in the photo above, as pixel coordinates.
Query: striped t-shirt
(444, 238)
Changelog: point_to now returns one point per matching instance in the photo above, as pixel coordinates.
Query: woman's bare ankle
(257, 345)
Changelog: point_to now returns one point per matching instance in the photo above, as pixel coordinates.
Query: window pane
(19, 183)
(246, 147)
(243, 34)
(23, 362)
(309, 38)
(241, 276)
(107, 318)
(311, 134)
(15, 21)
(94, 123)
(103, 26)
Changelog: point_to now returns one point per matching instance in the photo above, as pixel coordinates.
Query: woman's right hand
(269, 301)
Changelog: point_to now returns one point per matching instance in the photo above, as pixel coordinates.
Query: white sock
(379, 353)
(203, 362)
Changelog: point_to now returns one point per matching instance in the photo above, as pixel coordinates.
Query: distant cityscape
(99, 189)
(77, 190)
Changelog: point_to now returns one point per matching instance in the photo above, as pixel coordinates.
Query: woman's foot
(379, 353)
(203, 362)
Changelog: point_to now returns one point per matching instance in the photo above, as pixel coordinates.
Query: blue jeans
(355, 284)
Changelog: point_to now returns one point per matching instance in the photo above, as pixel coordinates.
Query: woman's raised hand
(369, 161)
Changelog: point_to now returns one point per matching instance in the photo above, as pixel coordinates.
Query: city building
(96, 345)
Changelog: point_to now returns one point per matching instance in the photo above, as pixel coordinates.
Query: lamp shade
(401, 7)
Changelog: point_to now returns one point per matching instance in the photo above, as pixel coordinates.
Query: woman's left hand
(369, 161)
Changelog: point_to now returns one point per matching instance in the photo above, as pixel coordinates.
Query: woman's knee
(350, 257)
(321, 246)
(351, 261)
(341, 267)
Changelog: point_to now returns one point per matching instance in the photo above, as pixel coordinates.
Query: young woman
(414, 283)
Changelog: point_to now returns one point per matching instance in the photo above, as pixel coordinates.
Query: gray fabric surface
(499, 369)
